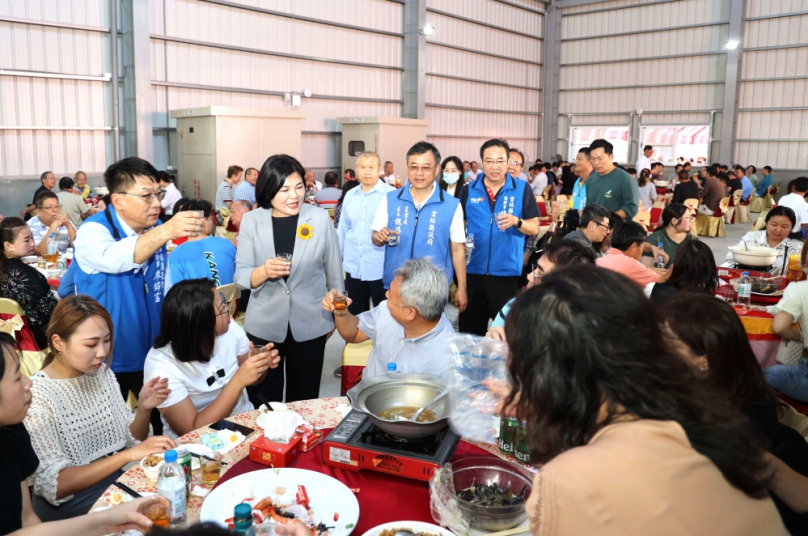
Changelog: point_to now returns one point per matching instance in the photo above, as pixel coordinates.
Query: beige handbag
(789, 352)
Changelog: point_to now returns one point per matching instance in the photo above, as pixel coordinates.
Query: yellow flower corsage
(304, 232)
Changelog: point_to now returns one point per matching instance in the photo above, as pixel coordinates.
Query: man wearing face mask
(500, 211)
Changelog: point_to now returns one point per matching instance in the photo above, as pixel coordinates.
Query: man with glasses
(610, 186)
(49, 219)
(500, 211)
(594, 227)
(516, 163)
(423, 221)
(121, 262)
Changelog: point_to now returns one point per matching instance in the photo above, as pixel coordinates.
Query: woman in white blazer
(285, 299)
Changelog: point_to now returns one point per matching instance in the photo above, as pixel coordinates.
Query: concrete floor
(330, 386)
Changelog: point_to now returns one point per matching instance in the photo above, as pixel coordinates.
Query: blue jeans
(789, 380)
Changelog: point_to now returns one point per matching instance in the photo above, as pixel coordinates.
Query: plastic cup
(285, 257)
(340, 302)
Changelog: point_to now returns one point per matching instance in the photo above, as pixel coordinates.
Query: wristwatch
(519, 223)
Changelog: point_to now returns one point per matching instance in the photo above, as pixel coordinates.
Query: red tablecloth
(382, 498)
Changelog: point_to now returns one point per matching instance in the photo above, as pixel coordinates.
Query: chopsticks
(127, 489)
(511, 532)
(195, 455)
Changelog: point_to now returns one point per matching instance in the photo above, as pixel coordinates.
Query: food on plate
(213, 441)
(764, 288)
(405, 413)
(491, 495)
(152, 460)
(283, 513)
(116, 498)
(392, 532)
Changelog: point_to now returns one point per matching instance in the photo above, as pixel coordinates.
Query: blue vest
(495, 252)
(424, 232)
(134, 300)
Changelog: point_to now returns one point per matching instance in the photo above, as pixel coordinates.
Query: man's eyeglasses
(516, 163)
(148, 198)
(51, 208)
(495, 162)
(420, 169)
(608, 230)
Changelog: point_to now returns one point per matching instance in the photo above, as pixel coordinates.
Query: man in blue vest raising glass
(500, 211)
(121, 258)
(421, 220)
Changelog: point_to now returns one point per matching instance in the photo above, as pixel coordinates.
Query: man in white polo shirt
(796, 202)
(644, 161)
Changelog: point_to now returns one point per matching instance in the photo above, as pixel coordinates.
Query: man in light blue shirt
(246, 189)
(747, 185)
(363, 262)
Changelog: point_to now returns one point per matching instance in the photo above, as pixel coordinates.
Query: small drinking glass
(258, 350)
(500, 216)
(202, 216)
(392, 239)
(157, 512)
(727, 293)
(340, 300)
(211, 469)
(285, 257)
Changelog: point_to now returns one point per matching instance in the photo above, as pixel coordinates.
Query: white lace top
(75, 422)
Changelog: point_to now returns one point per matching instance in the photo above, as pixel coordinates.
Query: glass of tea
(157, 512)
(211, 469)
(340, 300)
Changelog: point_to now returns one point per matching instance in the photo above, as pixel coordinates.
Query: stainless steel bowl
(490, 470)
(374, 395)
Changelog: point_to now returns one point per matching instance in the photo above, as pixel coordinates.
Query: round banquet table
(382, 497)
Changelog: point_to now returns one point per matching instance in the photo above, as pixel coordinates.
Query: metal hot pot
(375, 395)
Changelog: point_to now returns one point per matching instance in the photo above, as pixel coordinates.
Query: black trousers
(361, 292)
(487, 295)
(133, 381)
(303, 362)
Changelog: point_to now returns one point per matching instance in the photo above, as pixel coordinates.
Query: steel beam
(575, 3)
(484, 110)
(647, 31)
(414, 79)
(552, 82)
(648, 58)
(729, 115)
(483, 53)
(137, 86)
(643, 86)
(481, 81)
(116, 110)
(42, 74)
(52, 24)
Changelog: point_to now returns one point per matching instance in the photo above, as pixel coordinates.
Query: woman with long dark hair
(647, 189)
(450, 170)
(694, 271)
(286, 291)
(711, 338)
(675, 230)
(614, 416)
(21, 282)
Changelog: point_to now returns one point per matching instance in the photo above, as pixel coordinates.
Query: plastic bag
(443, 504)
(473, 360)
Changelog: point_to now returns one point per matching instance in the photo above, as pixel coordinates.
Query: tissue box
(273, 454)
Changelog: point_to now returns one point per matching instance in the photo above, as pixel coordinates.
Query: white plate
(414, 526)
(327, 496)
(770, 295)
(225, 436)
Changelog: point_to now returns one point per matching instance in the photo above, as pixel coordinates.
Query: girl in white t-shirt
(205, 357)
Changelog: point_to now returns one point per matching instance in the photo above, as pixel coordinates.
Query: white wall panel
(603, 5)
(483, 124)
(474, 95)
(495, 41)
(468, 65)
(655, 16)
(469, 148)
(494, 13)
(698, 97)
(775, 63)
(203, 21)
(778, 155)
(760, 8)
(55, 50)
(321, 151)
(30, 152)
(773, 125)
(84, 12)
(777, 32)
(641, 73)
(661, 43)
(774, 94)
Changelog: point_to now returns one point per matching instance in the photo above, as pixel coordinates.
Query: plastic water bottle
(660, 260)
(52, 253)
(745, 292)
(469, 247)
(171, 485)
(62, 240)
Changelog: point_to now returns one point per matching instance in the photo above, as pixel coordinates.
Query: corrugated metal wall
(55, 90)
(666, 58)
(484, 75)
(251, 53)
(773, 105)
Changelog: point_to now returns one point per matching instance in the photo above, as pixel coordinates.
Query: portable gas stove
(356, 443)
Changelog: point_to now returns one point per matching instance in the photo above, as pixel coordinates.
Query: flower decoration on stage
(304, 232)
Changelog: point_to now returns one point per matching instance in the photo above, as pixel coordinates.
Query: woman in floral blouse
(23, 283)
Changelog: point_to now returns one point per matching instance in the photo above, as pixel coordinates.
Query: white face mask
(451, 178)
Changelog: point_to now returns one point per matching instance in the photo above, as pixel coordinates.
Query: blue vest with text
(424, 232)
(133, 299)
(495, 252)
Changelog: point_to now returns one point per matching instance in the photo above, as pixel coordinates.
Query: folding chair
(354, 360)
(735, 199)
(758, 204)
(713, 226)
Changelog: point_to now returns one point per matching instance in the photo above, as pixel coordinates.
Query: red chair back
(25, 336)
(656, 215)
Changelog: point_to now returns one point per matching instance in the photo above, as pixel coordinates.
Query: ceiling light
(732, 45)
(428, 30)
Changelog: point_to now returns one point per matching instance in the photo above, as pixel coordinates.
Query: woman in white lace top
(80, 426)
